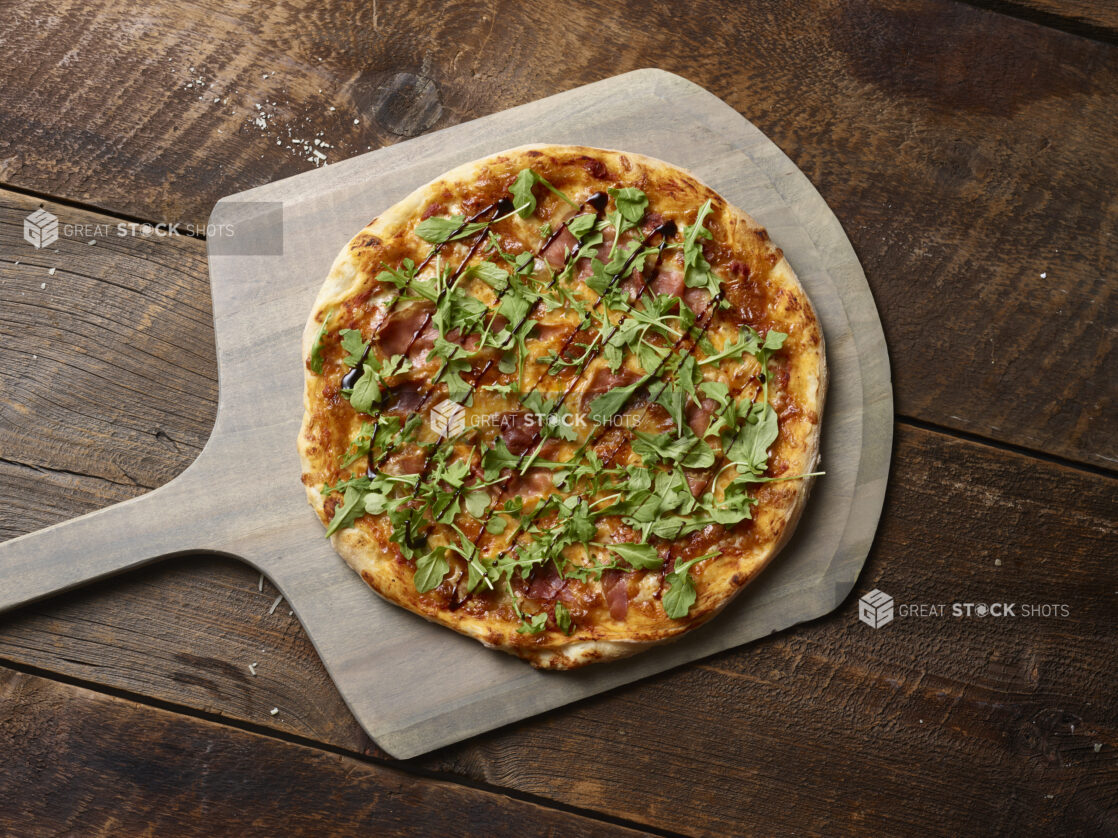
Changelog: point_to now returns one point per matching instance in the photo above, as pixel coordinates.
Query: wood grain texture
(929, 724)
(1090, 18)
(107, 364)
(81, 763)
(972, 176)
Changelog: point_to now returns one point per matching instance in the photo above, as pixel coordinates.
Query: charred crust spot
(596, 168)
(365, 240)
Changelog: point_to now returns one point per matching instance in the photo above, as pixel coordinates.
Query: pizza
(563, 400)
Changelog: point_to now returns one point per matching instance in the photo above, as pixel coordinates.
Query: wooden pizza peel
(415, 686)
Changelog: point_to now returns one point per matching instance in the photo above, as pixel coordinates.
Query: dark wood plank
(926, 725)
(973, 176)
(81, 763)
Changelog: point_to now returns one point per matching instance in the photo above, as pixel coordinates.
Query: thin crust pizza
(563, 400)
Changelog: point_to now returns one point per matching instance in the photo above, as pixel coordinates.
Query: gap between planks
(369, 758)
(1067, 24)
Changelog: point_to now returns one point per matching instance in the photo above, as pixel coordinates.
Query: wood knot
(407, 104)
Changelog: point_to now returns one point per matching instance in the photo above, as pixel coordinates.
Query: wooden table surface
(971, 155)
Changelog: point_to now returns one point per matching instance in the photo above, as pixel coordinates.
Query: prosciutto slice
(411, 461)
(615, 587)
(557, 251)
(604, 381)
(406, 398)
(668, 281)
(535, 482)
(518, 432)
(698, 416)
(396, 335)
(546, 583)
(547, 331)
(697, 299)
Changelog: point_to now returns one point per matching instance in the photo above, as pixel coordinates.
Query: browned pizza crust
(761, 292)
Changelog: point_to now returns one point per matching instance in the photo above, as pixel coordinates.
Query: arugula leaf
(619, 259)
(477, 503)
(614, 355)
(361, 443)
(580, 225)
(354, 345)
(673, 399)
(717, 390)
(497, 458)
(376, 503)
(430, 570)
(655, 447)
(598, 280)
(439, 230)
(774, 340)
(748, 342)
(630, 202)
(496, 526)
(640, 556)
(366, 391)
(758, 432)
(697, 272)
(580, 525)
(679, 598)
(400, 277)
(491, 274)
(346, 513)
(563, 618)
(737, 504)
(457, 388)
(604, 407)
(521, 191)
(361, 483)
(316, 346)
(674, 526)
(534, 625)
(687, 449)
(516, 305)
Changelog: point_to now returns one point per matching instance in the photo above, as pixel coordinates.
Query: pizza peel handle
(171, 519)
